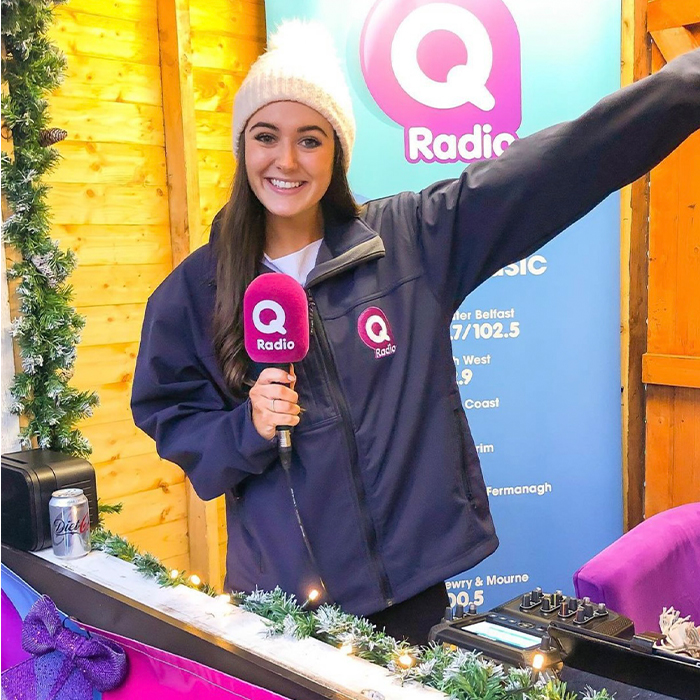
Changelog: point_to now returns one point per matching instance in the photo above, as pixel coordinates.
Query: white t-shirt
(296, 265)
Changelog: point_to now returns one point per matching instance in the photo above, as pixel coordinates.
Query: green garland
(48, 329)
(460, 674)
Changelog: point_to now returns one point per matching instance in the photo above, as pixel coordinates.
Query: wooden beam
(671, 370)
(174, 38)
(674, 42)
(664, 14)
(634, 234)
(179, 123)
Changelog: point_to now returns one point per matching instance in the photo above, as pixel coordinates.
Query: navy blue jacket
(385, 469)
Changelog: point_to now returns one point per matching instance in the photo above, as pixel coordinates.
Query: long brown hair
(239, 250)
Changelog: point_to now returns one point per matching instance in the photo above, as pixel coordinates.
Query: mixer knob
(546, 642)
(588, 609)
(580, 614)
(526, 601)
(573, 604)
(448, 616)
(472, 609)
(546, 604)
(565, 608)
(557, 598)
(586, 600)
(537, 595)
(459, 611)
(601, 609)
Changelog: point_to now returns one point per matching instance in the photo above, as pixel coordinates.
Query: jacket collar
(345, 246)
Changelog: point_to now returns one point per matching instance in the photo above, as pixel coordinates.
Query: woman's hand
(274, 403)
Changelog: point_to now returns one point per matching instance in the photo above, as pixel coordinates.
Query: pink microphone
(276, 332)
(275, 320)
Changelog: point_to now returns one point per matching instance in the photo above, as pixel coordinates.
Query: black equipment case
(28, 480)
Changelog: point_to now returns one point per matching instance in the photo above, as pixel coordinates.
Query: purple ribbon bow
(101, 662)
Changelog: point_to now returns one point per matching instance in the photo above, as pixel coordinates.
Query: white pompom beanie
(300, 65)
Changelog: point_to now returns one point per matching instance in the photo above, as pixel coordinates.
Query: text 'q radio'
(448, 73)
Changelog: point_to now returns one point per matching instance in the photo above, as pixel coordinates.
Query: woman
(385, 470)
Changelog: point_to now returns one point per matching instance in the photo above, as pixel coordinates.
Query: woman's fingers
(273, 402)
(274, 375)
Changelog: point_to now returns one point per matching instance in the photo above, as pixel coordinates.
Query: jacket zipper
(370, 532)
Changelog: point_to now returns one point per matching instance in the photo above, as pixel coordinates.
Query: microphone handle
(284, 432)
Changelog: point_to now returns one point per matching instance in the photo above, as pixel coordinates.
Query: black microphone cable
(305, 537)
(284, 448)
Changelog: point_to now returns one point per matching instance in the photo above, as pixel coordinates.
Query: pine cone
(48, 137)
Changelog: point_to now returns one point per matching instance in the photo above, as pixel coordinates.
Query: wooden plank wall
(671, 365)
(109, 203)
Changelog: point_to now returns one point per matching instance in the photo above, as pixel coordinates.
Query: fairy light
(346, 649)
(174, 573)
(406, 660)
(538, 662)
(195, 580)
(312, 596)
(224, 598)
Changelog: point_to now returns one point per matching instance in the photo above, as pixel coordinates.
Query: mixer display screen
(512, 638)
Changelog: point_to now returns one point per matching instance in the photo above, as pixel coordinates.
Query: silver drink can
(70, 523)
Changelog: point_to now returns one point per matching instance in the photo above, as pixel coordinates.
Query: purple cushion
(654, 565)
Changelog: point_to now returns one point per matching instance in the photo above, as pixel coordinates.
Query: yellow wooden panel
(93, 78)
(181, 562)
(109, 244)
(112, 324)
(114, 122)
(214, 89)
(114, 403)
(149, 508)
(164, 541)
(114, 163)
(135, 10)
(216, 168)
(673, 448)
(135, 474)
(225, 52)
(213, 131)
(212, 200)
(116, 284)
(102, 204)
(231, 16)
(90, 35)
(104, 364)
(112, 441)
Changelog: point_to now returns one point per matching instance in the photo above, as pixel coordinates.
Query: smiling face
(289, 151)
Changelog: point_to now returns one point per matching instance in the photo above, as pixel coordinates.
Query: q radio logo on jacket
(448, 72)
(374, 329)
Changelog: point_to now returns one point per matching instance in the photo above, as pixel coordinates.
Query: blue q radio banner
(439, 85)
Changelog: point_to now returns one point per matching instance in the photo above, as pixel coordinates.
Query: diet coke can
(70, 523)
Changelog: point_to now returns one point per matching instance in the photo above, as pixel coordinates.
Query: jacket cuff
(253, 446)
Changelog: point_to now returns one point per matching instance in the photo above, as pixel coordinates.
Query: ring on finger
(273, 405)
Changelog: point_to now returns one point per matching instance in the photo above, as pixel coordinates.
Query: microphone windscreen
(275, 319)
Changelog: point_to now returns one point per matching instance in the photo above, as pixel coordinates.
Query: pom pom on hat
(300, 65)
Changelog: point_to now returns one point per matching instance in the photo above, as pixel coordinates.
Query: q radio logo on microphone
(269, 318)
(448, 72)
(375, 331)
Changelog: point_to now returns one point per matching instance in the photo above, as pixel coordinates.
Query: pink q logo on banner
(448, 72)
